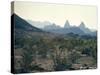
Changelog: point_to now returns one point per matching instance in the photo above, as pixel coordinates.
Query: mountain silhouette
(85, 29)
(67, 25)
(65, 30)
(81, 29)
(20, 23)
(52, 27)
(82, 25)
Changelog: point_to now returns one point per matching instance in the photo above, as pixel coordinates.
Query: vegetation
(60, 53)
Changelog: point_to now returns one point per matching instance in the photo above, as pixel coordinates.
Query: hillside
(20, 23)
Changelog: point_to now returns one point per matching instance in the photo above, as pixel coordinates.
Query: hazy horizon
(58, 14)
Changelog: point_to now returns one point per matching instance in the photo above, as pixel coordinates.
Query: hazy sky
(58, 14)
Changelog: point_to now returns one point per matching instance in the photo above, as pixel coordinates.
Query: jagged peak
(66, 25)
(82, 25)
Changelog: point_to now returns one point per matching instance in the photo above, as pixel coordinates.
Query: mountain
(67, 25)
(81, 29)
(85, 29)
(23, 30)
(52, 27)
(65, 30)
(20, 23)
(49, 27)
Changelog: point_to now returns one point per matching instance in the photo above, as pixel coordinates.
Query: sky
(57, 13)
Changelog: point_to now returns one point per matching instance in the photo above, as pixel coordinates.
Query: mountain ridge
(81, 29)
(20, 23)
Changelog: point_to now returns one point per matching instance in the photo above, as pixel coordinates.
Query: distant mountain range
(52, 27)
(23, 29)
(28, 25)
(81, 29)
